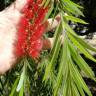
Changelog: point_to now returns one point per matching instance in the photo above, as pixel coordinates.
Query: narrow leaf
(21, 91)
(80, 62)
(21, 81)
(75, 19)
(14, 87)
(81, 48)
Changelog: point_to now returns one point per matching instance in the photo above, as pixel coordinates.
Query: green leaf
(65, 79)
(56, 36)
(46, 3)
(49, 11)
(75, 90)
(78, 79)
(69, 6)
(74, 19)
(14, 87)
(81, 48)
(79, 87)
(73, 38)
(55, 13)
(54, 53)
(75, 7)
(65, 87)
(62, 67)
(67, 27)
(29, 66)
(51, 63)
(21, 91)
(80, 62)
(21, 81)
(75, 80)
(79, 6)
(83, 43)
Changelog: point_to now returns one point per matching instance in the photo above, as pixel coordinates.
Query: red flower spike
(39, 1)
(29, 14)
(23, 22)
(30, 2)
(35, 7)
(30, 30)
(18, 51)
(37, 45)
(34, 54)
(38, 33)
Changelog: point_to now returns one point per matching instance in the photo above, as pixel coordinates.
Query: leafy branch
(67, 80)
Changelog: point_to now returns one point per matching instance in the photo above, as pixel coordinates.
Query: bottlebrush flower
(31, 29)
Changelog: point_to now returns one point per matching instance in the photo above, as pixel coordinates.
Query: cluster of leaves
(90, 15)
(24, 80)
(66, 80)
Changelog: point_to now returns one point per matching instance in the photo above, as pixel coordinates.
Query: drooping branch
(50, 25)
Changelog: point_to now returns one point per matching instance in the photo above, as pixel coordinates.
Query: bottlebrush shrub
(31, 29)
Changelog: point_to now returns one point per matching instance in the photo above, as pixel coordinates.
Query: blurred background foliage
(5, 3)
(89, 12)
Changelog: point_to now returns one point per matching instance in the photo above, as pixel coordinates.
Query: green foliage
(66, 80)
(24, 80)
